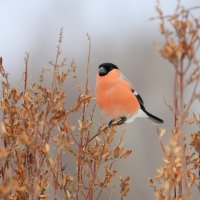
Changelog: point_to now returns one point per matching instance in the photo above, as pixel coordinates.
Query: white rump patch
(140, 113)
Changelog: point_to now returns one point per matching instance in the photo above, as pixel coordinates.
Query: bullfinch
(117, 98)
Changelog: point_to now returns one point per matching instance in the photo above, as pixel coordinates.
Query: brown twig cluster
(43, 154)
(180, 172)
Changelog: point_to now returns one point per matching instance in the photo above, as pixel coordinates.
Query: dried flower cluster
(180, 172)
(42, 154)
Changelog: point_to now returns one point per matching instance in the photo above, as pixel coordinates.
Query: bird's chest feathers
(113, 83)
(115, 96)
(106, 87)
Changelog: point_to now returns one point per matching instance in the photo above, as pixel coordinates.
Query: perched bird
(116, 97)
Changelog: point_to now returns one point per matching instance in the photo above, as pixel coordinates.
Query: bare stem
(80, 152)
(26, 60)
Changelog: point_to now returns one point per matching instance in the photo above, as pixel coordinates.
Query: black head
(105, 68)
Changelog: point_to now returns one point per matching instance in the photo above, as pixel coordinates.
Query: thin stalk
(26, 60)
(80, 152)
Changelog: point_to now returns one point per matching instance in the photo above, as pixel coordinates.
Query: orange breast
(114, 95)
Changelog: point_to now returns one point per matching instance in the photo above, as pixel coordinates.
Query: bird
(116, 97)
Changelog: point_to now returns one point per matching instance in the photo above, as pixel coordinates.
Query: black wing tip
(158, 120)
(153, 118)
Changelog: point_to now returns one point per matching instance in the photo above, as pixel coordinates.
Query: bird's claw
(118, 122)
(110, 124)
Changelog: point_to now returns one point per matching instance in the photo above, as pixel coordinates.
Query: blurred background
(121, 33)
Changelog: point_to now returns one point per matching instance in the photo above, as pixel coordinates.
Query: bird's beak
(102, 71)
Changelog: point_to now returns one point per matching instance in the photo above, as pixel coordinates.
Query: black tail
(153, 118)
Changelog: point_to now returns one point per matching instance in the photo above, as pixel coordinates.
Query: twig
(26, 60)
(79, 157)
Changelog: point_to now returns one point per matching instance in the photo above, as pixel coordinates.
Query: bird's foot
(118, 122)
(110, 124)
(121, 120)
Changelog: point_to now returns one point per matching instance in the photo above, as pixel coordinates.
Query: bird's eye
(102, 71)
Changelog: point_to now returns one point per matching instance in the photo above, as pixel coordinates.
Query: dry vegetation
(42, 155)
(179, 175)
(45, 156)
